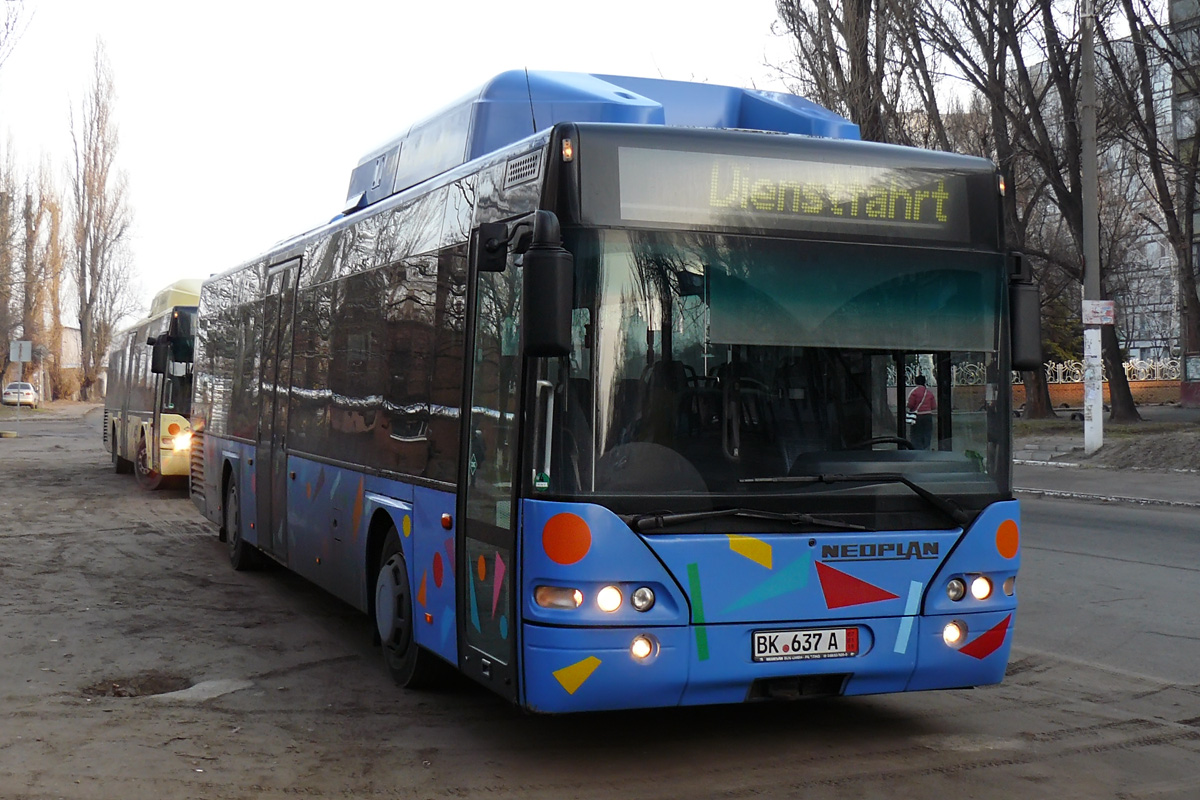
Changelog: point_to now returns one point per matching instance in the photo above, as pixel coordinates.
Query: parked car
(22, 394)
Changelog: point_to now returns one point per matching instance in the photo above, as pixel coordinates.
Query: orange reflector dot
(1008, 538)
(173, 428)
(566, 538)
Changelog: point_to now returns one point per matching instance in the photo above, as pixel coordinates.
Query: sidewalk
(1071, 480)
(1054, 465)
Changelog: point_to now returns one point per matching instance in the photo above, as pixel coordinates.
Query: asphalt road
(1112, 585)
(135, 665)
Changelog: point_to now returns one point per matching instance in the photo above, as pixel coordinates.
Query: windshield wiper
(647, 522)
(947, 506)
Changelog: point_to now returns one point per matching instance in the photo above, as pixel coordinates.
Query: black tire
(121, 466)
(147, 478)
(410, 665)
(242, 556)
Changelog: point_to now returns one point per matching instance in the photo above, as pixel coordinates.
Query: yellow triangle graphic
(756, 550)
(572, 677)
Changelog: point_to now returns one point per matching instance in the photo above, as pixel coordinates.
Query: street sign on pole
(20, 351)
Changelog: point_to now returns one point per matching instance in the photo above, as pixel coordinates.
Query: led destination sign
(762, 193)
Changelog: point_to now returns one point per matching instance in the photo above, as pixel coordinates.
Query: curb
(1056, 494)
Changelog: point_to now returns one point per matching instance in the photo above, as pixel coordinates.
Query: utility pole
(1093, 370)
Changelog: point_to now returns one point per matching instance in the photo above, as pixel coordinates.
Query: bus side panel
(330, 513)
(432, 572)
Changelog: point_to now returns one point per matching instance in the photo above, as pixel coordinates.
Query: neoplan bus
(147, 405)
(600, 399)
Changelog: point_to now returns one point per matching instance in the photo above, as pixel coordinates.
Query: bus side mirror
(158, 355)
(549, 290)
(1025, 316)
(489, 247)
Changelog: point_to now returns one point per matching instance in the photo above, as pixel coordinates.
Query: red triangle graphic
(987, 643)
(843, 590)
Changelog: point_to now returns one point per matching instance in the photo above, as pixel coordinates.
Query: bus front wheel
(410, 665)
(242, 556)
(147, 476)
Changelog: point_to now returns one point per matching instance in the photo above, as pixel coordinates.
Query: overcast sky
(239, 122)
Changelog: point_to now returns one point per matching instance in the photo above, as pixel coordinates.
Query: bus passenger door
(271, 458)
(487, 504)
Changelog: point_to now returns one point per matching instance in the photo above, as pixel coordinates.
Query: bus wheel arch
(121, 466)
(393, 610)
(380, 526)
(226, 477)
(242, 555)
(147, 477)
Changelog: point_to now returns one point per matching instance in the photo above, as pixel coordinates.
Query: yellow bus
(148, 402)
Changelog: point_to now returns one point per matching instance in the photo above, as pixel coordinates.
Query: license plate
(801, 644)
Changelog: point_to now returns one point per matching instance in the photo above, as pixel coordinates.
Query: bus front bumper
(592, 669)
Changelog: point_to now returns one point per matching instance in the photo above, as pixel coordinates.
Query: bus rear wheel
(242, 556)
(410, 665)
(147, 476)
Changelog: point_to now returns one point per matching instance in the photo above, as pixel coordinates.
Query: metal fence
(975, 374)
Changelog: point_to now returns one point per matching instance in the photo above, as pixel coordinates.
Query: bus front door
(487, 512)
(271, 456)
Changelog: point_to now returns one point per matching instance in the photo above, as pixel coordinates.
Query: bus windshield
(714, 371)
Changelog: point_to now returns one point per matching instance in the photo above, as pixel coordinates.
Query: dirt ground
(1168, 438)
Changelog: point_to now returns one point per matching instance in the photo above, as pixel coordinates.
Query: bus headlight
(981, 588)
(642, 598)
(643, 647)
(558, 597)
(954, 633)
(182, 441)
(609, 599)
(955, 589)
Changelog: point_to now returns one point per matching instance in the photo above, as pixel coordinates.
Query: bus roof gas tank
(519, 103)
(180, 293)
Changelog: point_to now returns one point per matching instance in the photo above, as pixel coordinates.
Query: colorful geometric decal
(497, 583)
(572, 677)
(406, 526)
(756, 550)
(566, 538)
(1008, 538)
(843, 590)
(910, 610)
(421, 594)
(316, 492)
(450, 553)
(987, 643)
(698, 611)
(788, 579)
(474, 607)
(358, 510)
(438, 570)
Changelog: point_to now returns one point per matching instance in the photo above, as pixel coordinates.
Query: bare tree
(12, 25)
(8, 245)
(1155, 61)
(99, 266)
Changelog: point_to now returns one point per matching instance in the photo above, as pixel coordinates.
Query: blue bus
(597, 391)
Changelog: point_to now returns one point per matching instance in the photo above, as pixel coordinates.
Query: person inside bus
(923, 404)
